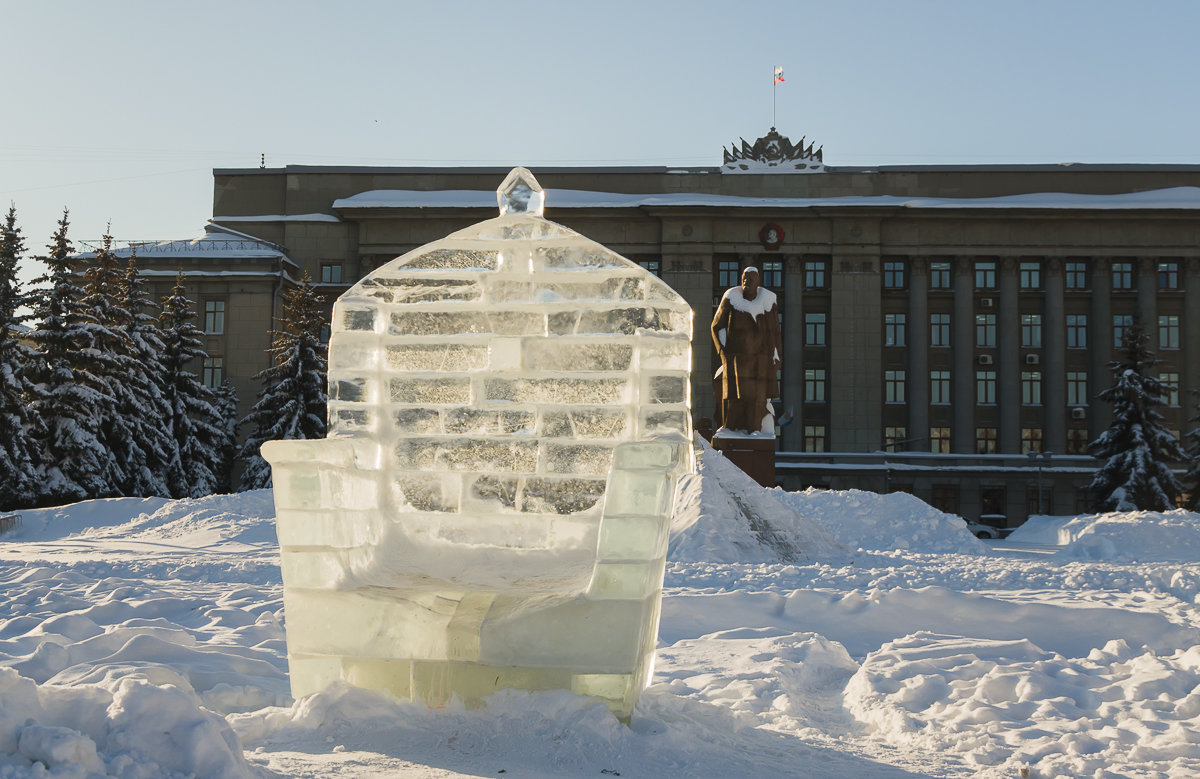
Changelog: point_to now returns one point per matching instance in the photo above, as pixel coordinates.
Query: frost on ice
(508, 416)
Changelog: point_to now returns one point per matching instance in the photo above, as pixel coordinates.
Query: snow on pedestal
(508, 417)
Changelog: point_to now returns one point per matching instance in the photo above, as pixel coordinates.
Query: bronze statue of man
(745, 331)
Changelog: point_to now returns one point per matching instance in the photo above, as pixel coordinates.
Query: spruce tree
(193, 420)
(1191, 479)
(227, 407)
(19, 455)
(72, 403)
(1136, 449)
(292, 401)
(147, 417)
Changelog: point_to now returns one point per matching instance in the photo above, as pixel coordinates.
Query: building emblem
(771, 236)
(773, 153)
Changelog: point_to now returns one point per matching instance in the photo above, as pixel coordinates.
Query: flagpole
(774, 84)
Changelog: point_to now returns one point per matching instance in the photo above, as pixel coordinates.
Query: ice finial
(520, 193)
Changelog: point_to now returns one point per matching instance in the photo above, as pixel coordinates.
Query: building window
(814, 274)
(214, 317)
(1031, 331)
(939, 386)
(814, 385)
(945, 498)
(1077, 275)
(985, 330)
(654, 266)
(1031, 439)
(1122, 276)
(771, 273)
(1168, 275)
(1031, 388)
(814, 438)
(939, 440)
(331, 272)
(893, 329)
(1031, 275)
(814, 329)
(1170, 385)
(985, 440)
(1121, 322)
(1077, 331)
(985, 275)
(893, 386)
(728, 274)
(939, 329)
(1077, 388)
(895, 438)
(939, 275)
(213, 371)
(893, 274)
(324, 335)
(1077, 440)
(1168, 332)
(985, 387)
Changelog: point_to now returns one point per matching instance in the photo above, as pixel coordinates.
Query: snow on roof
(216, 241)
(317, 217)
(1172, 198)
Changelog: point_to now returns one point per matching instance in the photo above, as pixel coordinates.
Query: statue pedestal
(753, 454)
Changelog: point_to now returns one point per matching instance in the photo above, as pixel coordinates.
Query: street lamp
(1040, 459)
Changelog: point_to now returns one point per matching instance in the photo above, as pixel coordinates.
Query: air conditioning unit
(1032, 359)
(1079, 413)
(985, 359)
(986, 302)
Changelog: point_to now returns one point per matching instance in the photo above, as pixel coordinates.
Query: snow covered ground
(840, 634)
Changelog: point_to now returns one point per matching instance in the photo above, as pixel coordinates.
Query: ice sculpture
(508, 417)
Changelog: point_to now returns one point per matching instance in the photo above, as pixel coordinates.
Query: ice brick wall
(508, 412)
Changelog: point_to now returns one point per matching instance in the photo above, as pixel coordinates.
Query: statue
(745, 331)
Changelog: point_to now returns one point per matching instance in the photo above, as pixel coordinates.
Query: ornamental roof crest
(773, 153)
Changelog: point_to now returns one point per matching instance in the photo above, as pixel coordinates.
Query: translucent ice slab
(508, 417)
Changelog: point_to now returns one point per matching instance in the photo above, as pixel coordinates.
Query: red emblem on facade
(771, 236)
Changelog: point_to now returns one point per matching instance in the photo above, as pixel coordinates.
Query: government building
(946, 329)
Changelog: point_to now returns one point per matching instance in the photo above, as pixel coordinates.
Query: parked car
(980, 530)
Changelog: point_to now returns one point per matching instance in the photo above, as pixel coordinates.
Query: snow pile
(1135, 536)
(722, 515)
(1039, 529)
(866, 520)
(1009, 705)
(134, 730)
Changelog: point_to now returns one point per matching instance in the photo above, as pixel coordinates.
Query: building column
(1190, 334)
(1054, 399)
(962, 379)
(918, 353)
(1147, 297)
(855, 352)
(1008, 351)
(793, 351)
(691, 276)
(1101, 343)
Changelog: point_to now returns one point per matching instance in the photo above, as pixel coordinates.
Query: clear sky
(120, 110)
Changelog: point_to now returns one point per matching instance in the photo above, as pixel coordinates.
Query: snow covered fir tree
(1137, 450)
(292, 401)
(194, 411)
(18, 449)
(1191, 480)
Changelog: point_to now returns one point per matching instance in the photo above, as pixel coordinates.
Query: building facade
(940, 322)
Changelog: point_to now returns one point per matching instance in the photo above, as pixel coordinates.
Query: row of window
(895, 384)
(1123, 275)
(895, 330)
(986, 439)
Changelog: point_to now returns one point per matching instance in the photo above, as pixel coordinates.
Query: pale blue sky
(121, 110)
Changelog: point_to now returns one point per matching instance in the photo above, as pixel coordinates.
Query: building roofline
(1089, 167)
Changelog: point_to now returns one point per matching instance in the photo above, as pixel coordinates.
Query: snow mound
(1039, 529)
(1133, 536)
(866, 520)
(722, 515)
(137, 730)
(1007, 706)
